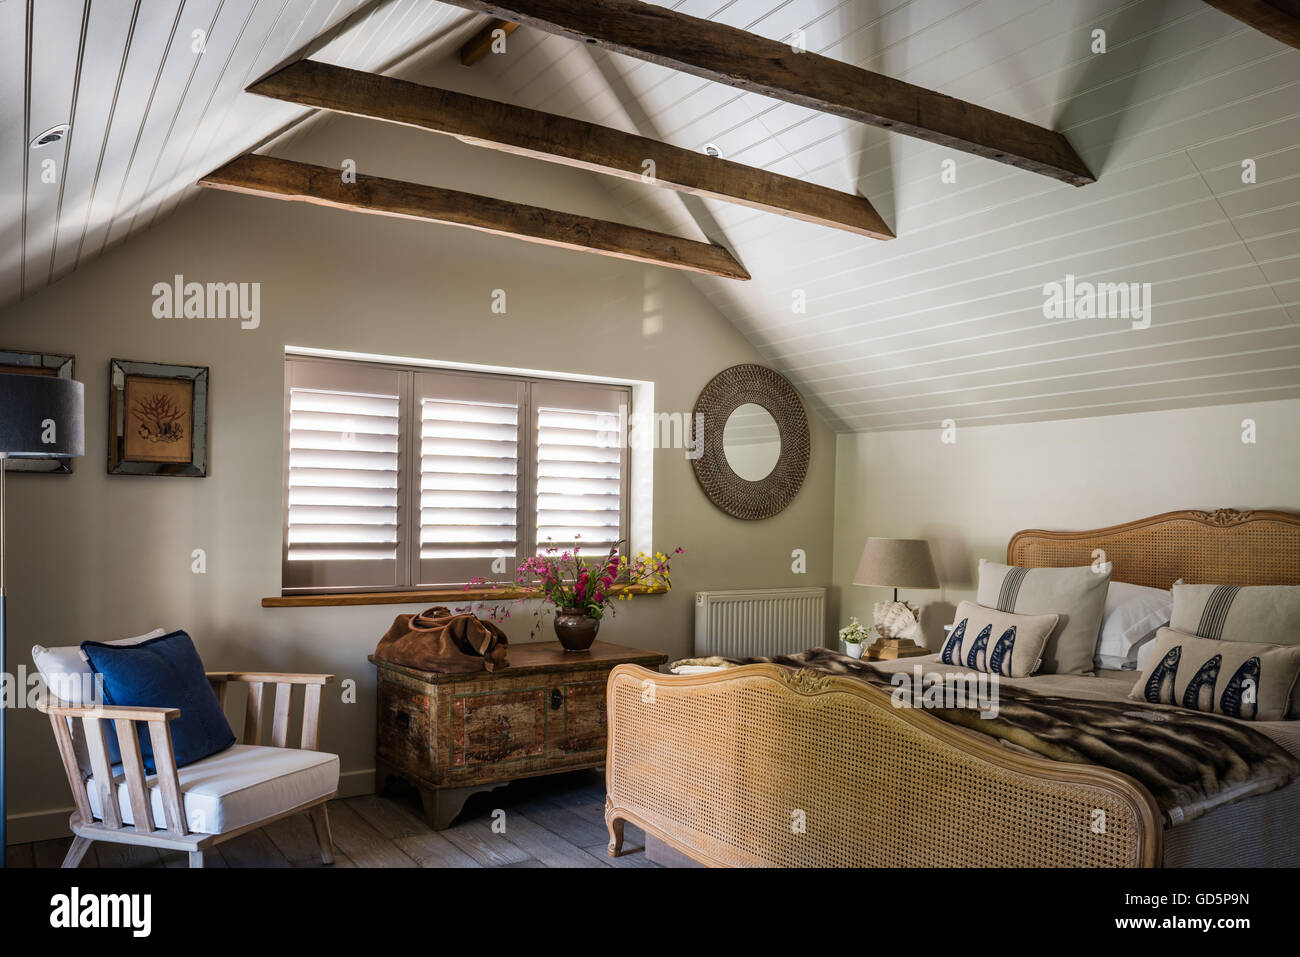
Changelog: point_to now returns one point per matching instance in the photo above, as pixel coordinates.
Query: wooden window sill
(440, 596)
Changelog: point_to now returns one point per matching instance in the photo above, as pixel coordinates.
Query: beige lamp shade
(897, 563)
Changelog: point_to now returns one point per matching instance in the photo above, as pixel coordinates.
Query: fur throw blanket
(1190, 761)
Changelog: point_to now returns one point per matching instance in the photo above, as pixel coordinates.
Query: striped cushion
(1267, 614)
(1077, 595)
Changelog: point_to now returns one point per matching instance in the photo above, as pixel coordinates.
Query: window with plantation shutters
(580, 465)
(344, 489)
(401, 478)
(471, 435)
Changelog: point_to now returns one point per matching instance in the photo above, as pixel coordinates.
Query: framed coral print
(158, 419)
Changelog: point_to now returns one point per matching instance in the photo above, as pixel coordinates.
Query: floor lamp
(40, 418)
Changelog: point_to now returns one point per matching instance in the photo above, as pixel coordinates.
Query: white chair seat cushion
(241, 785)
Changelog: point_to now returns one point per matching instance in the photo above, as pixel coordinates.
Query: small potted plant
(855, 636)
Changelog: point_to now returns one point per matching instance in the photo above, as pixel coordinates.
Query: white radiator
(759, 621)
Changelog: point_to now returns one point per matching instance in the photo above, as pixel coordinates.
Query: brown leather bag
(437, 640)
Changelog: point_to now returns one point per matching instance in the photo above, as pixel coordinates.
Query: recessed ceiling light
(55, 134)
(712, 150)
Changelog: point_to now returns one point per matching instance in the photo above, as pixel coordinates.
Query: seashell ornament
(897, 619)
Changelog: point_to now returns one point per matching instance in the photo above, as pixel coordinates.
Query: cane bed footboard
(764, 766)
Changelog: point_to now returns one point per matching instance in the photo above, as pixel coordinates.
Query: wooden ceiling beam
(773, 68)
(480, 45)
(324, 186)
(1280, 19)
(559, 139)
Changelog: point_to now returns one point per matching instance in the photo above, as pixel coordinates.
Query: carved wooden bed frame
(764, 766)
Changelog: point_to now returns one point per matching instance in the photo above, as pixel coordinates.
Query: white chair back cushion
(68, 674)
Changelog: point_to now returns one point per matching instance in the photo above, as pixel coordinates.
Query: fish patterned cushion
(997, 642)
(1240, 679)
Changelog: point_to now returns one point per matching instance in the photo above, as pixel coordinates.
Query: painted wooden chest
(454, 735)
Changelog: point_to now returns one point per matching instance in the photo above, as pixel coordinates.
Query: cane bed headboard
(1223, 547)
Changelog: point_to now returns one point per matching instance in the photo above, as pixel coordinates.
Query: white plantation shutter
(344, 491)
(399, 477)
(580, 460)
(471, 480)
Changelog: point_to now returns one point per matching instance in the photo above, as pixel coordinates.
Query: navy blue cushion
(163, 672)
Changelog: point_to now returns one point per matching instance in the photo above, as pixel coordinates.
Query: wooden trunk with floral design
(453, 735)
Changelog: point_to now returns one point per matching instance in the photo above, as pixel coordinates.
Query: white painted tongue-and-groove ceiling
(944, 322)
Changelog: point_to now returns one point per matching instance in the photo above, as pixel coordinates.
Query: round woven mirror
(755, 442)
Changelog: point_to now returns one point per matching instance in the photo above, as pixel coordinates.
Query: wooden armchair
(209, 801)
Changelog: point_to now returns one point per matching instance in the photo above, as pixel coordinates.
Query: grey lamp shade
(41, 416)
(897, 563)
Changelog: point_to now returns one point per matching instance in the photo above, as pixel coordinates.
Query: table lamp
(896, 563)
(40, 418)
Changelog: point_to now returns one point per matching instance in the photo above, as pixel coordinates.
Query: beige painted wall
(970, 497)
(100, 557)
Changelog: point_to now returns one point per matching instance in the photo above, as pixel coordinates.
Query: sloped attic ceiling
(947, 320)
(153, 90)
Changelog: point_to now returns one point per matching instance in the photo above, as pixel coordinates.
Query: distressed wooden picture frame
(157, 419)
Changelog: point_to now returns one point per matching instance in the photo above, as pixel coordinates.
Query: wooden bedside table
(891, 649)
(455, 735)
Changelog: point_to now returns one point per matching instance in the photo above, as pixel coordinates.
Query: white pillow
(1144, 653)
(1132, 613)
(66, 671)
(1111, 663)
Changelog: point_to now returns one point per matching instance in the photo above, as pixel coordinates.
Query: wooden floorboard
(476, 838)
(578, 831)
(365, 846)
(50, 853)
(552, 821)
(633, 855)
(123, 855)
(389, 817)
(20, 855)
(547, 846)
(296, 840)
(253, 849)
(431, 849)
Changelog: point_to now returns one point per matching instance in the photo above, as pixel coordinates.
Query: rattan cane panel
(1225, 547)
(726, 764)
